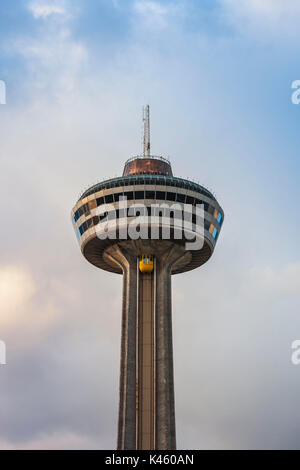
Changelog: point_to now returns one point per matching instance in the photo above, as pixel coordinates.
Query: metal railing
(154, 157)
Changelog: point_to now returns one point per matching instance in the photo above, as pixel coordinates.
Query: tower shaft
(146, 407)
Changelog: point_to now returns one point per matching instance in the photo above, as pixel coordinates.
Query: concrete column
(165, 401)
(127, 391)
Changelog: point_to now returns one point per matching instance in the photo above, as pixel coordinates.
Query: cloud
(44, 9)
(17, 288)
(263, 18)
(52, 57)
(157, 15)
(239, 327)
(284, 281)
(28, 309)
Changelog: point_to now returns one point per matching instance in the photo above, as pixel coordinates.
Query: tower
(147, 225)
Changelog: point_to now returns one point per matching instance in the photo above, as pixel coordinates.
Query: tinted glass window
(129, 195)
(160, 195)
(150, 195)
(181, 197)
(139, 195)
(190, 200)
(171, 196)
(109, 198)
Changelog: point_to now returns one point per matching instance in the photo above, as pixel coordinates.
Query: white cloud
(52, 57)
(43, 9)
(267, 17)
(28, 308)
(17, 288)
(156, 15)
(284, 281)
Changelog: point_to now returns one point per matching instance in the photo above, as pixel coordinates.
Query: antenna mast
(146, 119)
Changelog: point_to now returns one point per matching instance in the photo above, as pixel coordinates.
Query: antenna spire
(146, 119)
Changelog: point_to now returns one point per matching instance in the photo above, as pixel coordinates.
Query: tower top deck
(140, 165)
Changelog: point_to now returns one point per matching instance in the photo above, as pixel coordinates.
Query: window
(86, 209)
(89, 223)
(190, 200)
(180, 197)
(211, 210)
(215, 232)
(160, 195)
(198, 201)
(219, 218)
(171, 196)
(100, 200)
(109, 198)
(129, 195)
(150, 195)
(139, 195)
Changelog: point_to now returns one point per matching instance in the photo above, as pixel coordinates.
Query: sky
(217, 75)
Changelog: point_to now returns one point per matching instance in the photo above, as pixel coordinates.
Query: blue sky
(217, 76)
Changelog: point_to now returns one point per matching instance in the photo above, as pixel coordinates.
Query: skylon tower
(146, 226)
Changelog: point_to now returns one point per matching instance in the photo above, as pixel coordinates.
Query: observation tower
(147, 225)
